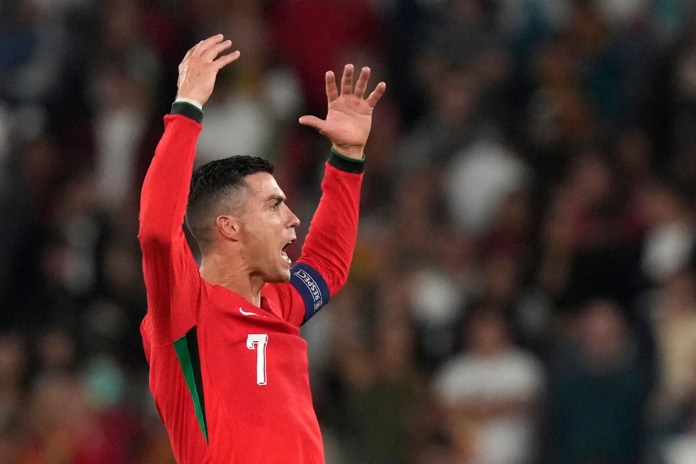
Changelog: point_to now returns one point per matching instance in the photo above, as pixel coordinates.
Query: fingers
(360, 86)
(362, 82)
(347, 80)
(199, 68)
(204, 45)
(312, 121)
(226, 59)
(376, 94)
(331, 89)
(207, 50)
(215, 49)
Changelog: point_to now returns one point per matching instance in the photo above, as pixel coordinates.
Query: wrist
(187, 109)
(190, 101)
(343, 163)
(356, 153)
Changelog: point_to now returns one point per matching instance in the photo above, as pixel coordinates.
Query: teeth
(285, 257)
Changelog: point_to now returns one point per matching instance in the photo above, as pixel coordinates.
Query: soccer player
(228, 369)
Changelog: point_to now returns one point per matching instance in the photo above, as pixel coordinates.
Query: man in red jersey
(228, 369)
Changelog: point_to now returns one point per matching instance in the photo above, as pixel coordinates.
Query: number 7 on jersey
(258, 342)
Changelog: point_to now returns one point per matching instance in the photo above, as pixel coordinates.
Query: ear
(229, 227)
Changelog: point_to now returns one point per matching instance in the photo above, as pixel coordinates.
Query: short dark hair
(212, 187)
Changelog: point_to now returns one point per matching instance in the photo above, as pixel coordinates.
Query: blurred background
(523, 289)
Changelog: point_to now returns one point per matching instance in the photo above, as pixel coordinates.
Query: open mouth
(283, 253)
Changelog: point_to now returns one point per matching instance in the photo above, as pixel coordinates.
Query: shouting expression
(267, 229)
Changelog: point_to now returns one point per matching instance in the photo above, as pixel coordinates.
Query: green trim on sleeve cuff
(344, 163)
(187, 109)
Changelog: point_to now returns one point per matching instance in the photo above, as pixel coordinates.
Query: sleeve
(322, 269)
(171, 274)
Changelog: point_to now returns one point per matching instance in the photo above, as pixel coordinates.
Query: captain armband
(312, 288)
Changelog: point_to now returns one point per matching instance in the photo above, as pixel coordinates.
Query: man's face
(268, 229)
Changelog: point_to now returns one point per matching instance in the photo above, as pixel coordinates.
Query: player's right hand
(199, 68)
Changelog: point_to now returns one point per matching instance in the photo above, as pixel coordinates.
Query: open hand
(198, 70)
(349, 116)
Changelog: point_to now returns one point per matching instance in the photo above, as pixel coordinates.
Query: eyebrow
(280, 198)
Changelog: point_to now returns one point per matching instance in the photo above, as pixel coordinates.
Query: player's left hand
(349, 116)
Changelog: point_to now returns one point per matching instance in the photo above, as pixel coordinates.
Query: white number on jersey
(258, 342)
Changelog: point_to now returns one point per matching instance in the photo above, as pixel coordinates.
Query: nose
(293, 221)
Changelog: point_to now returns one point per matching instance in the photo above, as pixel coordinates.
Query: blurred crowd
(524, 285)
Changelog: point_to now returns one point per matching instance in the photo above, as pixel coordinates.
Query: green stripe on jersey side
(187, 351)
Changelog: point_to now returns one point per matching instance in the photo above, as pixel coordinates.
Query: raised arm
(328, 249)
(171, 274)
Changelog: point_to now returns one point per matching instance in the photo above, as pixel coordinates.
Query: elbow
(152, 242)
(154, 246)
(156, 224)
(159, 235)
(152, 237)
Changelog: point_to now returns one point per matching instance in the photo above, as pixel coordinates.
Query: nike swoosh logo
(247, 313)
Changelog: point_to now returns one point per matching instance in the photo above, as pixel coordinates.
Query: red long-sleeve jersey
(230, 379)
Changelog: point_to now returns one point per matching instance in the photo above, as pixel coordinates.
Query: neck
(232, 274)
